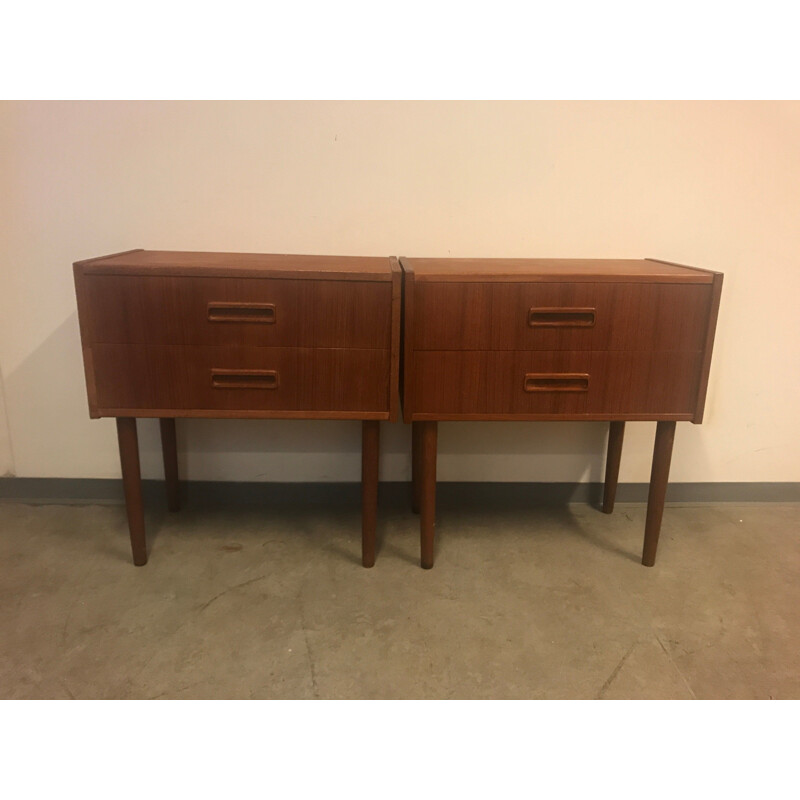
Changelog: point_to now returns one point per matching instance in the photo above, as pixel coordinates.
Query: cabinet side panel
(705, 368)
(407, 360)
(395, 345)
(85, 324)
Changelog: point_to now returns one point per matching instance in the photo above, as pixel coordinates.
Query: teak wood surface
(555, 339)
(239, 335)
(231, 265)
(553, 269)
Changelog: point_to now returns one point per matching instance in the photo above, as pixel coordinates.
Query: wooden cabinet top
(238, 265)
(552, 269)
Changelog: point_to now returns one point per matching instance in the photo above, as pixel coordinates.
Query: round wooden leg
(428, 493)
(370, 451)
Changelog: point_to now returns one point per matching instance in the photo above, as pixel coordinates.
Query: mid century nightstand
(178, 334)
(544, 339)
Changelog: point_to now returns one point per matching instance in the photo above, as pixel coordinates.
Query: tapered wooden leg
(169, 449)
(616, 432)
(370, 450)
(416, 465)
(132, 483)
(427, 521)
(659, 477)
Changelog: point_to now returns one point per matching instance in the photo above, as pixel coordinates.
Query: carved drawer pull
(557, 382)
(241, 312)
(561, 317)
(244, 379)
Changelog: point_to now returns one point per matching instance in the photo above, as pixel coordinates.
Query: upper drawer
(560, 316)
(243, 311)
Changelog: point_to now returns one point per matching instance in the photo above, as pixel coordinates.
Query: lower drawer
(498, 383)
(183, 378)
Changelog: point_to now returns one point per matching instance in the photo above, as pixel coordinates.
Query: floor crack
(64, 629)
(677, 669)
(173, 692)
(612, 677)
(308, 647)
(229, 589)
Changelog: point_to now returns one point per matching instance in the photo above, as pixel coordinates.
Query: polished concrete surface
(524, 602)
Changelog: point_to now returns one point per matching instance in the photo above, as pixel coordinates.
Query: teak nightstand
(555, 339)
(239, 335)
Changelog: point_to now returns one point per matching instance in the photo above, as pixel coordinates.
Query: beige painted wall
(711, 184)
(6, 456)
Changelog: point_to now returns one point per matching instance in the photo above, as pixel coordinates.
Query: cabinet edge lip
(418, 416)
(96, 266)
(685, 266)
(700, 278)
(186, 413)
(695, 275)
(237, 272)
(87, 261)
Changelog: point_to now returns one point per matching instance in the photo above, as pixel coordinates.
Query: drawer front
(557, 382)
(240, 378)
(560, 316)
(256, 312)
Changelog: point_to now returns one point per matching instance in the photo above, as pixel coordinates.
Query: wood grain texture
(708, 347)
(124, 309)
(151, 377)
(564, 339)
(450, 383)
(180, 334)
(132, 484)
(162, 299)
(416, 465)
(85, 316)
(661, 261)
(370, 447)
(659, 478)
(408, 361)
(91, 384)
(200, 264)
(91, 262)
(396, 341)
(169, 451)
(616, 434)
(245, 413)
(428, 439)
(627, 316)
(551, 269)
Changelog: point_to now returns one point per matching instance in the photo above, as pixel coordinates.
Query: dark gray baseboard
(91, 490)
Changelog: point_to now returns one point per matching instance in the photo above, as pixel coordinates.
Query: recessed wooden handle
(561, 317)
(244, 378)
(241, 312)
(557, 382)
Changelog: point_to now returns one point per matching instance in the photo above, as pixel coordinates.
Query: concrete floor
(524, 602)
